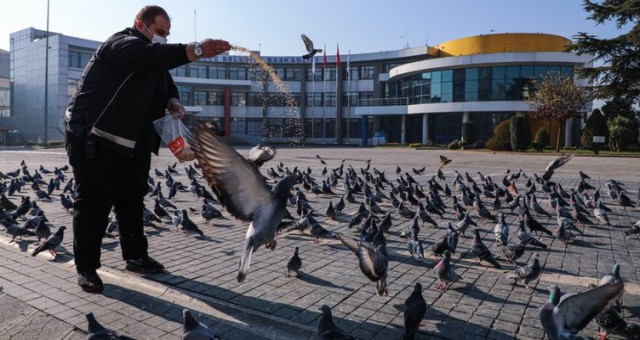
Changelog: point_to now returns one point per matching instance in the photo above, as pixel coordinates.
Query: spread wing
(238, 182)
(349, 242)
(577, 310)
(307, 42)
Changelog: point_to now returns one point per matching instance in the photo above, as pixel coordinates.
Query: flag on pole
(313, 66)
(337, 56)
(324, 61)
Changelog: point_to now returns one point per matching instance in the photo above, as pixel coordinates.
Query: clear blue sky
(274, 26)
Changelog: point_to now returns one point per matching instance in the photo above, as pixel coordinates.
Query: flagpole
(348, 95)
(338, 131)
(324, 92)
(313, 91)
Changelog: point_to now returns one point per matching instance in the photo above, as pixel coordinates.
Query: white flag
(349, 64)
(313, 65)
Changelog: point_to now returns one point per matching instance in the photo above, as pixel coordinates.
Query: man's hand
(214, 47)
(176, 108)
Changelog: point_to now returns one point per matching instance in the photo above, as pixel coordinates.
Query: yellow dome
(504, 43)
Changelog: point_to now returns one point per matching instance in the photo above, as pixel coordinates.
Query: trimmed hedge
(500, 138)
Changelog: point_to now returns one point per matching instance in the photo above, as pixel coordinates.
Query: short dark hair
(149, 13)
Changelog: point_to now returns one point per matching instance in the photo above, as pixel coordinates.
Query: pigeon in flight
(444, 161)
(555, 164)
(309, 45)
(243, 191)
(572, 312)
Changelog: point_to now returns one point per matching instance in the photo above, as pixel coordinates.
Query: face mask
(156, 38)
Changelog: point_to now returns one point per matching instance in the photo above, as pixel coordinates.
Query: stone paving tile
(331, 274)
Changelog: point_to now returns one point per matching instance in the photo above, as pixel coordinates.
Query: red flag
(324, 58)
(337, 56)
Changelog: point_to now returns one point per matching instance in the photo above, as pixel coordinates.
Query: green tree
(617, 74)
(556, 98)
(542, 139)
(623, 107)
(596, 125)
(520, 131)
(619, 130)
(500, 137)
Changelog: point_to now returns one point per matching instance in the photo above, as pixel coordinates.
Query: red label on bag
(177, 145)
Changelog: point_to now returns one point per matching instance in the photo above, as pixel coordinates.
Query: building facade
(414, 95)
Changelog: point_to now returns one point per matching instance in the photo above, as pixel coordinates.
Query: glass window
(447, 75)
(238, 99)
(186, 94)
(353, 74)
(180, 71)
(314, 77)
(471, 90)
(197, 71)
(215, 98)
(498, 72)
(254, 126)
(78, 59)
(366, 72)
(238, 125)
(567, 70)
(330, 127)
(237, 73)
(436, 77)
(471, 73)
(330, 99)
(294, 74)
(539, 70)
(199, 97)
(216, 72)
(526, 71)
(281, 72)
(513, 72)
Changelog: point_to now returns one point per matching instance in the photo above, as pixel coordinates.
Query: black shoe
(90, 282)
(144, 264)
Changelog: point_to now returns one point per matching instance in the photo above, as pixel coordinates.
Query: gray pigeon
(327, 330)
(527, 273)
(501, 230)
(444, 271)
(52, 242)
(513, 252)
(526, 238)
(261, 154)
(192, 329)
(95, 331)
(294, 264)
(308, 44)
(415, 308)
(555, 164)
(564, 319)
(634, 229)
(242, 190)
(481, 251)
(373, 261)
(610, 322)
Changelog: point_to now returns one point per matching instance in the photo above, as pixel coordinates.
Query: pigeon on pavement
(294, 263)
(192, 329)
(481, 251)
(527, 273)
(327, 329)
(95, 331)
(415, 308)
(52, 242)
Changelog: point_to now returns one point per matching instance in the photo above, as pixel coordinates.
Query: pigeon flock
(371, 220)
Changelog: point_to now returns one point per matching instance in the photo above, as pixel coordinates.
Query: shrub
(454, 145)
(415, 145)
(542, 138)
(467, 132)
(596, 125)
(520, 131)
(500, 138)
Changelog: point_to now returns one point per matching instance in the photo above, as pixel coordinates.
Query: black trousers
(109, 180)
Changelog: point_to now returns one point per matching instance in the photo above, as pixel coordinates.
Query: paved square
(201, 271)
